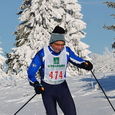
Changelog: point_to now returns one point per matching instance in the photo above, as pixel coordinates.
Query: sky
(8, 23)
(96, 15)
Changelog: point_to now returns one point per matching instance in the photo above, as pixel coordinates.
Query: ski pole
(103, 91)
(25, 103)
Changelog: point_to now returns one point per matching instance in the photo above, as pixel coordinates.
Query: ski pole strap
(103, 91)
(25, 104)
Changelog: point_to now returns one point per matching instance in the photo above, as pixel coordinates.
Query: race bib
(55, 66)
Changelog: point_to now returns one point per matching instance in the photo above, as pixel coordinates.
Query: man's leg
(66, 102)
(49, 100)
(50, 105)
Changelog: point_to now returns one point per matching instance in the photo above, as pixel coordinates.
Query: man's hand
(38, 88)
(87, 65)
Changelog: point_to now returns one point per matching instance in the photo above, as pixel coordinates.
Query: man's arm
(73, 57)
(79, 62)
(33, 68)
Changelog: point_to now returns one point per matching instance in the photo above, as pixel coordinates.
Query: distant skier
(51, 62)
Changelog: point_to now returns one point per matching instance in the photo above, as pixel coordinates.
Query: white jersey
(55, 67)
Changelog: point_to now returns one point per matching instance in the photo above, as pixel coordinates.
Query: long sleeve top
(38, 61)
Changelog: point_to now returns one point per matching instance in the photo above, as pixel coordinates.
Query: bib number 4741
(56, 75)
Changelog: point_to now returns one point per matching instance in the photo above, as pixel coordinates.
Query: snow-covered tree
(111, 27)
(5, 79)
(104, 63)
(38, 19)
(2, 62)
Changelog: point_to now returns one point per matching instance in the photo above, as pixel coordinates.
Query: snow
(89, 100)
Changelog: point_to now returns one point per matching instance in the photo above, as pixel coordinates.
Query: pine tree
(2, 62)
(102, 66)
(38, 19)
(5, 79)
(111, 27)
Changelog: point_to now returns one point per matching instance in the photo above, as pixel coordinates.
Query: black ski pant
(60, 94)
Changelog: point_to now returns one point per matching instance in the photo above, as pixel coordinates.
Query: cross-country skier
(51, 62)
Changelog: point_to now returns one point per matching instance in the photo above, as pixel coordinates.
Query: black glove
(38, 88)
(87, 65)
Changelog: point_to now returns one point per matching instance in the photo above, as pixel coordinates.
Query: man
(51, 62)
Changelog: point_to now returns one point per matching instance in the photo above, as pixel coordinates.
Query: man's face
(58, 46)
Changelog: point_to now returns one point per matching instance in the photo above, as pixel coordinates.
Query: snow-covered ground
(88, 98)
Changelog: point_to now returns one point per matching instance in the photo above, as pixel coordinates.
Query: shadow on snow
(107, 83)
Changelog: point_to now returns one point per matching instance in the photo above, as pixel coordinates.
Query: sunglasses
(59, 44)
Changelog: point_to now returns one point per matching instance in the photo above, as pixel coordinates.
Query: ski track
(88, 101)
